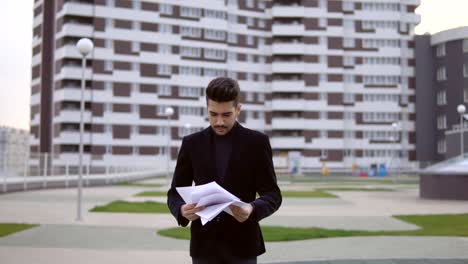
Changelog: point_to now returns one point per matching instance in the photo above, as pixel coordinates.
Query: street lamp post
(85, 46)
(168, 112)
(395, 127)
(461, 110)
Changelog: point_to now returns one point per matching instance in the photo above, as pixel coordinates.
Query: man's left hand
(241, 213)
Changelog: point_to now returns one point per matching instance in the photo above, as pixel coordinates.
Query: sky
(15, 49)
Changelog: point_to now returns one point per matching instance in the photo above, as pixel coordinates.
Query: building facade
(325, 79)
(14, 151)
(442, 85)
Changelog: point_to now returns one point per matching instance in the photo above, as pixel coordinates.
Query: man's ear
(238, 108)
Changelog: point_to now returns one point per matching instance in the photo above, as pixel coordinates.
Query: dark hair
(223, 89)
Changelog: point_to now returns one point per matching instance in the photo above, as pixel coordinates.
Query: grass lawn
(151, 193)
(132, 207)
(136, 184)
(295, 194)
(431, 225)
(307, 194)
(10, 228)
(356, 189)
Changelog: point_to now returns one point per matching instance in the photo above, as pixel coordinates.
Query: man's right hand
(188, 211)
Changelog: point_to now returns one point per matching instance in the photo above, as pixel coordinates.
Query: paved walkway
(131, 238)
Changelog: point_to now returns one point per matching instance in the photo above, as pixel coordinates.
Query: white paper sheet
(214, 197)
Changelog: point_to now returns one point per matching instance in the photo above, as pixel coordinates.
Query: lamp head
(85, 46)
(169, 111)
(461, 109)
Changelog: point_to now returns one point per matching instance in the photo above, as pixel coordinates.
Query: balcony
(288, 86)
(288, 67)
(287, 142)
(288, 29)
(287, 123)
(288, 11)
(288, 48)
(288, 104)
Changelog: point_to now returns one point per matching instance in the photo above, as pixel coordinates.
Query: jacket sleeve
(183, 176)
(270, 198)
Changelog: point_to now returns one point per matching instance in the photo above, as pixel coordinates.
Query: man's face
(222, 116)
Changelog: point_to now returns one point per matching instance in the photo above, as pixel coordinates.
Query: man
(238, 159)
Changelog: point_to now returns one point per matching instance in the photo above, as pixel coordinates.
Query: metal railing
(43, 170)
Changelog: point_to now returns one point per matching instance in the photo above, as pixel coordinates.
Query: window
(165, 28)
(348, 6)
(323, 133)
(109, 23)
(164, 69)
(135, 46)
(441, 122)
(441, 74)
(249, 3)
(465, 94)
(213, 72)
(109, 44)
(348, 61)
(186, 91)
(348, 98)
(441, 146)
(187, 70)
(136, 151)
(215, 34)
(440, 50)
(232, 38)
(135, 109)
(232, 56)
(322, 22)
(215, 14)
(190, 111)
(261, 23)
(465, 69)
(191, 32)
(441, 98)
(348, 42)
(214, 54)
(108, 65)
(135, 66)
(136, 24)
(232, 19)
(250, 40)
(465, 45)
(165, 9)
(261, 97)
(190, 52)
(250, 21)
(164, 49)
(349, 115)
(190, 11)
(164, 89)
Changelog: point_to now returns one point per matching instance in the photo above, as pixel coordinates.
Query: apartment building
(442, 85)
(14, 151)
(325, 79)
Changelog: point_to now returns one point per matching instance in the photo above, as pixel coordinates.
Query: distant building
(441, 85)
(14, 150)
(325, 79)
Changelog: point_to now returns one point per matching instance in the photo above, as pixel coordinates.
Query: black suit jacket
(249, 171)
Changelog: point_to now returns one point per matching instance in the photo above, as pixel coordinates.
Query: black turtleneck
(222, 151)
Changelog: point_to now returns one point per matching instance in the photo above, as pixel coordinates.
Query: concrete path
(131, 238)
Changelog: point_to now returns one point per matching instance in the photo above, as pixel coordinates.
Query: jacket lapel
(235, 157)
(208, 159)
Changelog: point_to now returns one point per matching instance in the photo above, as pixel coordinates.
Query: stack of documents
(213, 197)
